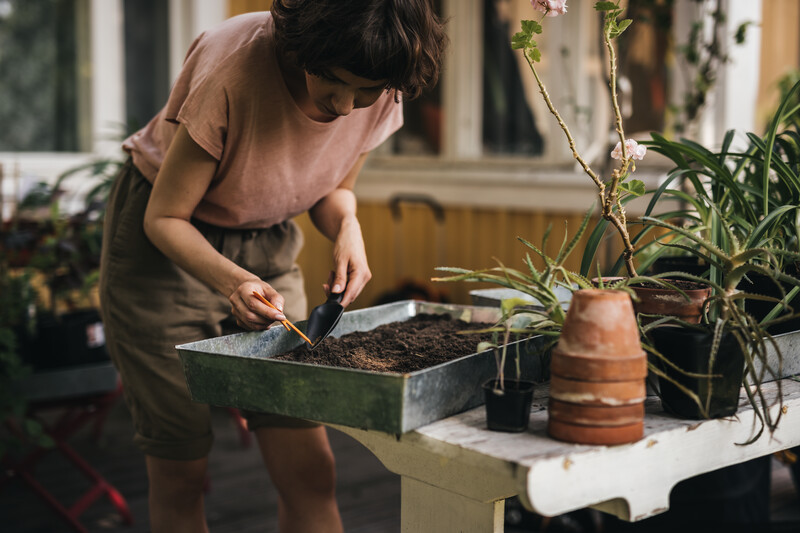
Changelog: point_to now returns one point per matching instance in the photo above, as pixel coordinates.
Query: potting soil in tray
(422, 341)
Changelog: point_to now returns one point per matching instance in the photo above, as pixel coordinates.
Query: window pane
(41, 82)
(508, 123)
(423, 118)
(146, 60)
(643, 50)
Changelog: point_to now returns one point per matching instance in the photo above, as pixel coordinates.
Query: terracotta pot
(597, 393)
(592, 368)
(590, 415)
(581, 434)
(600, 323)
(663, 301)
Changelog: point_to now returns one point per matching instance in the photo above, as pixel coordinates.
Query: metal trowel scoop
(323, 319)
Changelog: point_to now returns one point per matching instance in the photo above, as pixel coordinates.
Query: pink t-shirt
(274, 161)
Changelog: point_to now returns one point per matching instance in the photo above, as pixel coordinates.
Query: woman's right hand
(250, 312)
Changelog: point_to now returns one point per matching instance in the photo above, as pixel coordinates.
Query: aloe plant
(725, 310)
(518, 316)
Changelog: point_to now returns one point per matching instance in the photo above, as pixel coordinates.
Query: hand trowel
(323, 319)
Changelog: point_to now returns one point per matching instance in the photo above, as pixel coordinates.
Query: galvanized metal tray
(240, 371)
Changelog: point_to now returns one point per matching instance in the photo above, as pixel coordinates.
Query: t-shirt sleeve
(389, 120)
(200, 103)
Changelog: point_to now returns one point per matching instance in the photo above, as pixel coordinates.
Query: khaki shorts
(149, 305)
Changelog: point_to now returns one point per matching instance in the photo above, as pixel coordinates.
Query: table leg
(428, 509)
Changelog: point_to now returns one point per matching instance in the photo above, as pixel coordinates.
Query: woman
(273, 114)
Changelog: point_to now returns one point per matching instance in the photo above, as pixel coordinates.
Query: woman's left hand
(350, 259)
(335, 216)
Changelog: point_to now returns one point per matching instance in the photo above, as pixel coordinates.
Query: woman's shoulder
(243, 26)
(233, 35)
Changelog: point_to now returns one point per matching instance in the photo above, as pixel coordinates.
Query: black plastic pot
(508, 409)
(690, 350)
(73, 339)
(756, 283)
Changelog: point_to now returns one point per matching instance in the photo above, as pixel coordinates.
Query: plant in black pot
(63, 266)
(702, 367)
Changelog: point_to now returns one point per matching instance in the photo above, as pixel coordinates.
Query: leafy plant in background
(785, 85)
(16, 301)
(758, 188)
(704, 53)
(619, 187)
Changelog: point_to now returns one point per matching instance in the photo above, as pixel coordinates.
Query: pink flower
(632, 147)
(551, 8)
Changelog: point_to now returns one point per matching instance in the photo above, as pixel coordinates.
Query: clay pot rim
(596, 435)
(622, 358)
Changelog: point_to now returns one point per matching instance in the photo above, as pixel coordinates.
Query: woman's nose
(343, 103)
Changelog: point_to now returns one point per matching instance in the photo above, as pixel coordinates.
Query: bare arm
(182, 181)
(335, 217)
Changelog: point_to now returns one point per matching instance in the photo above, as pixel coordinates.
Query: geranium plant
(615, 190)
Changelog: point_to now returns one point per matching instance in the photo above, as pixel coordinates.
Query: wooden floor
(240, 498)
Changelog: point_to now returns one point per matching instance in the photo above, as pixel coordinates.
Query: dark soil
(422, 341)
(683, 284)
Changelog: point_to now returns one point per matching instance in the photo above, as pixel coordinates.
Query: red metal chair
(73, 414)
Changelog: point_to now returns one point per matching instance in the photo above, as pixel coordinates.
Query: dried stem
(608, 193)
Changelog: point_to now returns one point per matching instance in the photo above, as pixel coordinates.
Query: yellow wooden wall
(780, 52)
(237, 7)
(413, 247)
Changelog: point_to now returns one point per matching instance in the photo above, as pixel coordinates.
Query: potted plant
(60, 254)
(730, 348)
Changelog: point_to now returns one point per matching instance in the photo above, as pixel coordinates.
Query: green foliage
(518, 315)
(758, 189)
(16, 299)
(730, 263)
(785, 85)
(704, 53)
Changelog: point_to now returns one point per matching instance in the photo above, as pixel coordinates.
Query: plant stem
(609, 196)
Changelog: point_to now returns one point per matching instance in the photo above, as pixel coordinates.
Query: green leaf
(531, 26)
(536, 55)
(623, 25)
(605, 6)
(520, 40)
(634, 187)
(509, 304)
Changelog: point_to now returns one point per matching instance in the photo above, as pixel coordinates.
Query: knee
(318, 473)
(313, 477)
(181, 482)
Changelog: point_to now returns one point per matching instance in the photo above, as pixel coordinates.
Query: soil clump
(422, 341)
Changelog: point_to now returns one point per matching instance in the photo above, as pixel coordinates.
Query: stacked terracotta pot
(598, 372)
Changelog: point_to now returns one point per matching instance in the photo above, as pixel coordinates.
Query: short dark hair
(401, 41)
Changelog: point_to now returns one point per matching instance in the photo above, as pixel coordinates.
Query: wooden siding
(237, 7)
(413, 246)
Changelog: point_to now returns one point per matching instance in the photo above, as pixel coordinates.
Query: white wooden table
(456, 474)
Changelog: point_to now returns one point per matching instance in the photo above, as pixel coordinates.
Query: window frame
(104, 57)
(460, 175)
